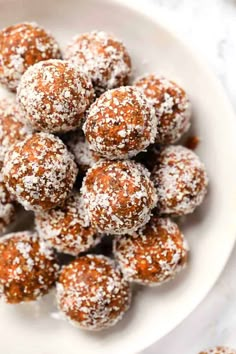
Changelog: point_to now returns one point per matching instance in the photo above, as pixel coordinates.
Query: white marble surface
(209, 26)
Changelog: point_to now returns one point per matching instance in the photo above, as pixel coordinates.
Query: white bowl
(210, 231)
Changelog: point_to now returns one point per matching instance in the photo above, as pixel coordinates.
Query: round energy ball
(12, 128)
(21, 46)
(103, 57)
(219, 350)
(67, 228)
(28, 269)
(54, 95)
(180, 179)
(120, 123)
(7, 207)
(92, 293)
(84, 157)
(119, 196)
(39, 172)
(172, 107)
(152, 255)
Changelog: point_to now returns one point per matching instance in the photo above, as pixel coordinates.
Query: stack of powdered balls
(93, 157)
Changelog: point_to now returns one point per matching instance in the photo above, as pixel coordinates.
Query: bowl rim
(149, 10)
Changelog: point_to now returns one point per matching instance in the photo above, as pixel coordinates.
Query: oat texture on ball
(172, 107)
(219, 350)
(21, 46)
(67, 228)
(39, 171)
(12, 127)
(7, 207)
(120, 123)
(92, 293)
(180, 179)
(152, 255)
(103, 57)
(54, 95)
(119, 196)
(28, 268)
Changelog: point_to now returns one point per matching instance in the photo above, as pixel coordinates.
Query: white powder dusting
(92, 293)
(120, 123)
(119, 196)
(152, 255)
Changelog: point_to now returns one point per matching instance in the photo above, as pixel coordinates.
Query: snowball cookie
(152, 255)
(180, 179)
(12, 128)
(172, 107)
(67, 228)
(21, 46)
(39, 172)
(119, 196)
(7, 207)
(84, 157)
(92, 293)
(120, 123)
(28, 268)
(53, 95)
(103, 57)
(219, 350)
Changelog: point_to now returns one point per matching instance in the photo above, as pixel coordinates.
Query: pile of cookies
(92, 156)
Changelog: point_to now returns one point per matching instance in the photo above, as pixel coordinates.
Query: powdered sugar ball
(120, 123)
(21, 46)
(92, 293)
(172, 107)
(119, 196)
(12, 128)
(180, 179)
(54, 96)
(39, 171)
(84, 156)
(67, 228)
(219, 350)
(103, 57)
(28, 268)
(7, 207)
(152, 255)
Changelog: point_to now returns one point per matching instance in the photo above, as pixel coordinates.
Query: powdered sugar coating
(172, 107)
(39, 171)
(67, 228)
(7, 208)
(180, 179)
(28, 268)
(103, 57)
(152, 255)
(21, 46)
(219, 350)
(71, 93)
(119, 196)
(12, 128)
(84, 157)
(92, 293)
(120, 123)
